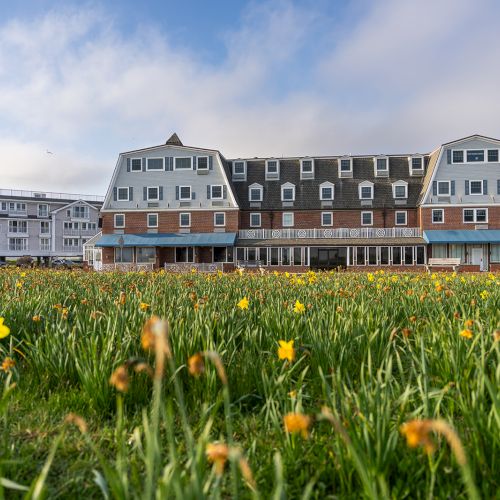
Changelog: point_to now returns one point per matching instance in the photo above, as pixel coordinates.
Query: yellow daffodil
(298, 307)
(143, 306)
(417, 433)
(4, 329)
(297, 422)
(286, 350)
(466, 333)
(243, 303)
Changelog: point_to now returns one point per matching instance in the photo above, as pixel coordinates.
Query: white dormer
(365, 190)
(416, 165)
(400, 190)
(345, 166)
(307, 168)
(239, 170)
(272, 169)
(255, 193)
(288, 192)
(381, 166)
(326, 191)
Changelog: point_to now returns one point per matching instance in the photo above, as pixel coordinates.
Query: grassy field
(329, 385)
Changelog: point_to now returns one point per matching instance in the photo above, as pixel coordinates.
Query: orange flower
(120, 379)
(297, 422)
(468, 323)
(466, 333)
(217, 453)
(417, 433)
(36, 318)
(196, 365)
(8, 364)
(406, 332)
(148, 338)
(413, 319)
(123, 298)
(496, 335)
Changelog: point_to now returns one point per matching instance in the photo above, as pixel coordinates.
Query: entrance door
(477, 256)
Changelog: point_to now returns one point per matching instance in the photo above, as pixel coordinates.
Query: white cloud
(402, 76)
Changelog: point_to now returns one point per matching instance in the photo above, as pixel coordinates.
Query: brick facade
(453, 218)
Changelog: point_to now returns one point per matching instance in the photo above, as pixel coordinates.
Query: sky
(81, 82)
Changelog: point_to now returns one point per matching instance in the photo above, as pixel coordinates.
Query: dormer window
(326, 191)
(345, 167)
(366, 190)
(239, 170)
(287, 192)
(255, 192)
(400, 190)
(272, 169)
(416, 165)
(307, 169)
(381, 166)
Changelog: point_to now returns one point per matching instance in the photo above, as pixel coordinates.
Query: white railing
(18, 213)
(342, 232)
(40, 195)
(73, 248)
(187, 267)
(79, 232)
(126, 267)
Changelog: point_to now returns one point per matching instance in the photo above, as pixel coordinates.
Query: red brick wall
(453, 218)
(168, 222)
(306, 219)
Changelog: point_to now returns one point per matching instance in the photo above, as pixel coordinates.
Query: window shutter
(144, 164)
(160, 191)
(448, 156)
(115, 194)
(145, 193)
(208, 191)
(131, 193)
(194, 162)
(210, 163)
(193, 195)
(498, 186)
(452, 188)
(224, 192)
(466, 187)
(166, 164)
(176, 192)
(485, 186)
(128, 164)
(434, 188)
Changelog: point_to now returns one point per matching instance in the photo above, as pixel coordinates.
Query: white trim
(470, 188)
(198, 163)
(326, 185)
(239, 176)
(180, 219)
(215, 219)
(366, 184)
(212, 197)
(428, 190)
(449, 188)
(69, 205)
(283, 219)
(432, 215)
(226, 181)
(367, 212)
(140, 164)
(410, 164)
(344, 158)
(118, 193)
(160, 209)
(183, 157)
(190, 193)
(399, 184)
(382, 172)
(309, 175)
(475, 221)
(288, 185)
(153, 169)
(124, 221)
(147, 220)
(458, 205)
(326, 213)
(405, 212)
(274, 175)
(157, 191)
(260, 219)
(255, 186)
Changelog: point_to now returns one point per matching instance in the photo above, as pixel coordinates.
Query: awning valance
(167, 240)
(463, 236)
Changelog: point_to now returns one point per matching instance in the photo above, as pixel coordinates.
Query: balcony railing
(18, 213)
(21, 233)
(40, 195)
(79, 232)
(337, 233)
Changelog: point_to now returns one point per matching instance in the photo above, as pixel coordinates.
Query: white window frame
(154, 169)
(215, 219)
(400, 184)
(190, 193)
(38, 209)
(147, 220)
(221, 197)
(198, 163)
(180, 219)
(432, 215)
(157, 192)
(464, 157)
(42, 222)
(326, 185)
(366, 184)
(239, 175)
(331, 219)
(482, 188)
(487, 156)
(118, 193)
(475, 221)
(132, 162)
(290, 214)
(311, 173)
(287, 185)
(273, 175)
(344, 158)
(261, 192)
(381, 170)
(449, 188)
(260, 219)
(410, 162)
(114, 221)
(405, 223)
(371, 217)
(183, 157)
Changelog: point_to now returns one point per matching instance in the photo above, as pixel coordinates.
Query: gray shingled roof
(346, 189)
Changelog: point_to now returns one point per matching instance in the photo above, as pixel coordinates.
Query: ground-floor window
(184, 254)
(146, 254)
(386, 256)
(457, 252)
(439, 251)
(495, 253)
(223, 254)
(17, 244)
(124, 254)
(275, 256)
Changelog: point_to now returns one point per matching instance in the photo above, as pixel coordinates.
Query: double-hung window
(327, 218)
(478, 215)
(185, 219)
(366, 191)
(476, 187)
(493, 155)
(216, 192)
(43, 210)
(152, 220)
(184, 193)
(287, 219)
(122, 194)
(367, 218)
(239, 170)
(307, 169)
(443, 188)
(255, 219)
(153, 193)
(401, 218)
(202, 162)
(288, 192)
(437, 215)
(119, 221)
(219, 219)
(272, 169)
(457, 156)
(255, 193)
(135, 165)
(326, 191)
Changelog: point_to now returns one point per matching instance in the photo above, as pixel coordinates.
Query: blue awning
(167, 240)
(463, 236)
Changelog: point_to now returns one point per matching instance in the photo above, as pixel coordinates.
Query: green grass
(377, 350)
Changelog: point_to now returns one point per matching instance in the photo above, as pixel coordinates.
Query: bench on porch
(454, 263)
(249, 264)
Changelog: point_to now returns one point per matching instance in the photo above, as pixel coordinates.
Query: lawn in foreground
(322, 415)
